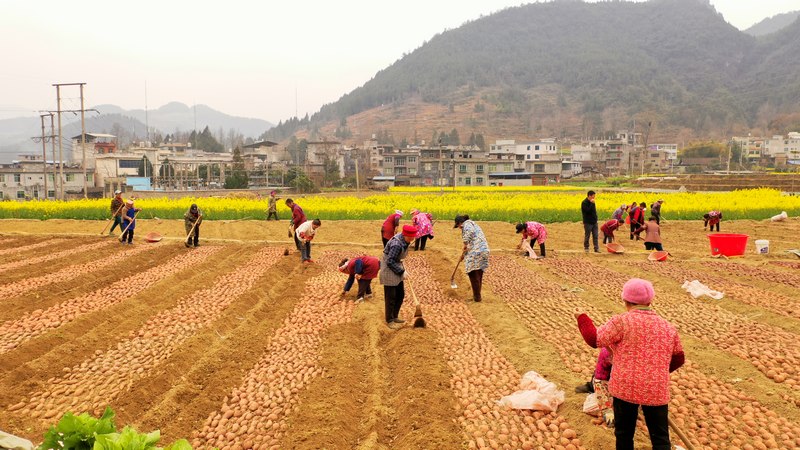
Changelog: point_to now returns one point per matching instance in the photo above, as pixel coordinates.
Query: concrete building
(25, 180)
(403, 165)
(96, 144)
(752, 148)
(784, 149)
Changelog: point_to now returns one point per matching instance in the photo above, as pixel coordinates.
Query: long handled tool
(453, 284)
(186, 241)
(129, 225)
(419, 322)
(680, 434)
(112, 218)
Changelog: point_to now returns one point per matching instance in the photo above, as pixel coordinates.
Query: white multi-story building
(784, 148)
(25, 179)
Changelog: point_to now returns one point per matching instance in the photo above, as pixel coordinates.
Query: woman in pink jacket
(646, 349)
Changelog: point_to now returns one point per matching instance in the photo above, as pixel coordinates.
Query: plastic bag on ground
(8, 441)
(535, 393)
(590, 405)
(780, 217)
(698, 289)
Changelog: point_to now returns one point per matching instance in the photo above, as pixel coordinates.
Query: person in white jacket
(305, 233)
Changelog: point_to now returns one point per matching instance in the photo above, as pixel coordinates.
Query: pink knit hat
(638, 292)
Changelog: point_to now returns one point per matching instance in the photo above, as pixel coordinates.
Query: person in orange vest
(364, 269)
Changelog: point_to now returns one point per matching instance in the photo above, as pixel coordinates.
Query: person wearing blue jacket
(128, 222)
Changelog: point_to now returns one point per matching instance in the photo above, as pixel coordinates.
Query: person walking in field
(532, 232)
(298, 218)
(619, 213)
(655, 210)
(305, 234)
(272, 208)
(129, 222)
(117, 204)
(652, 239)
(609, 228)
(389, 227)
(393, 273)
(475, 253)
(362, 269)
(191, 222)
(646, 350)
(589, 214)
(424, 223)
(712, 218)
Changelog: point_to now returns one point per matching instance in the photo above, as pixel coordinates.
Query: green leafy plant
(78, 432)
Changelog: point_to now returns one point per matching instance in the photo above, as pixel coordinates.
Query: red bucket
(728, 244)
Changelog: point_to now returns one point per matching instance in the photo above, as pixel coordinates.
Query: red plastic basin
(728, 244)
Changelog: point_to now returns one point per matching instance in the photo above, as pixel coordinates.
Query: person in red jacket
(298, 218)
(646, 349)
(364, 269)
(608, 229)
(389, 227)
(637, 219)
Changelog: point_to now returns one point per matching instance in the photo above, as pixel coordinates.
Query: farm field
(235, 346)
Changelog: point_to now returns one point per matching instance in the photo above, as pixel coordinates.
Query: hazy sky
(241, 57)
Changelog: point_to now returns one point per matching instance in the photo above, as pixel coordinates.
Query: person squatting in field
(393, 273)
(475, 253)
(191, 222)
(305, 234)
(298, 218)
(389, 227)
(532, 232)
(129, 222)
(362, 269)
(116, 211)
(424, 223)
(646, 350)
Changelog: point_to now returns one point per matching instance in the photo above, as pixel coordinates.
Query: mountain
(772, 24)
(568, 68)
(127, 125)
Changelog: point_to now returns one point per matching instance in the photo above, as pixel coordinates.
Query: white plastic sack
(535, 393)
(780, 217)
(590, 405)
(8, 441)
(698, 289)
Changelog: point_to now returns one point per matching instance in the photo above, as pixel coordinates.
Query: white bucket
(762, 246)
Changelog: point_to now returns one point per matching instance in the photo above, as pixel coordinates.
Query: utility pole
(44, 155)
(358, 185)
(53, 147)
(83, 145)
(60, 137)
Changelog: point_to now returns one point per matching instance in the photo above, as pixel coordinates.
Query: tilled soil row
(24, 248)
(101, 379)
(482, 375)
(749, 271)
(254, 416)
(69, 273)
(26, 262)
(38, 322)
(773, 351)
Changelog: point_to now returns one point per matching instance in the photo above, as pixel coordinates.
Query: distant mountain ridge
(773, 24)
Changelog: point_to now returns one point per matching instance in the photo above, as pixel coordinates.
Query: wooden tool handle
(453, 276)
(680, 434)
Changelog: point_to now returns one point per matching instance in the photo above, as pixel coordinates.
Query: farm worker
(116, 211)
(712, 218)
(393, 272)
(652, 239)
(536, 233)
(619, 213)
(655, 210)
(364, 269)
(636, 216)
(589, 213)
(424, 223)
(646, 349)
(609, 228)
(192, 219)
(128, 223)
(298, 217)
(599, 385)
(389, 227)
(304, 234)
(475, 253)
(273, 206)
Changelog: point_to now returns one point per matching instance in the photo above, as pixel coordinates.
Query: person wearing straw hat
(362, 269)
(129, 222)
(393, 273)
(475, 253)
(389, 227)
(536, 232)
(273, 206)
(646, 350)
(191, 222)
(116, 211)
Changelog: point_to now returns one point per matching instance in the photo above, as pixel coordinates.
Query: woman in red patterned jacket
(646, 349)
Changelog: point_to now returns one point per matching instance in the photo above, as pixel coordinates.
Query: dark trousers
(364, 288)
(608, 238)
(297, 241)
(705, 224)
(476, 281)
(384, 240)
(195, 237)
(393, 299)
(653, 246)
(657, 216)
(117, 222)
(542, 250)
(419, 244)
(655, 417)
(127, 235)
(305, 251)
(590, 228)
(634, 227)
(272, 213)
